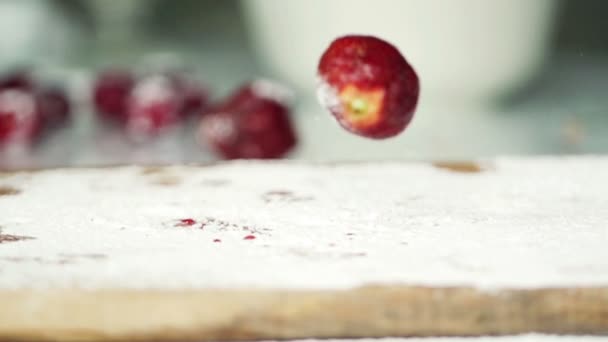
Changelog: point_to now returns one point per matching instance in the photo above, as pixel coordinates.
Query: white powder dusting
(328, 95)
(524, 223)
(153, 89)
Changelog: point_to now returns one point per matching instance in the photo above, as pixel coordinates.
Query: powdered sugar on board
(521, 223)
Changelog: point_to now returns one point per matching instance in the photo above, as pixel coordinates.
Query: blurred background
(499, 77)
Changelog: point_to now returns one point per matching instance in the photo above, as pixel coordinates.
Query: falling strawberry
(368, 86)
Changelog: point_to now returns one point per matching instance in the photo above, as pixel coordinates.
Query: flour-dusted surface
(522, 223)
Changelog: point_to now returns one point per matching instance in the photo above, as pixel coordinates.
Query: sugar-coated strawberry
(368, 86)
(110, 93)
(19, 117)
(253, 123)
(153, 106)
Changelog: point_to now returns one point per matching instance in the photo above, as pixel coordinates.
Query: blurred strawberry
(19, 118)
(153, 106)
(110, 93)
(253, 123)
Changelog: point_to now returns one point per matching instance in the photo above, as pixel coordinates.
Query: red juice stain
(188, 222)
(217, 240)
(249, 237)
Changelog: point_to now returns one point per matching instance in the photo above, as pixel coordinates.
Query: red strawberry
(368, 86)
(153, 106)
(19, 117)
(253, 123)
(110, 93)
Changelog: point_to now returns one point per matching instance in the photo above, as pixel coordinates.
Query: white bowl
(468, 51)
(36, 33)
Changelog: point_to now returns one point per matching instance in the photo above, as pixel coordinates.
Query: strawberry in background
(147, 105)
(253, 123)
(29, 109)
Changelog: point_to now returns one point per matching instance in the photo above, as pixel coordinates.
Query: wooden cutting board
(287, 250)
